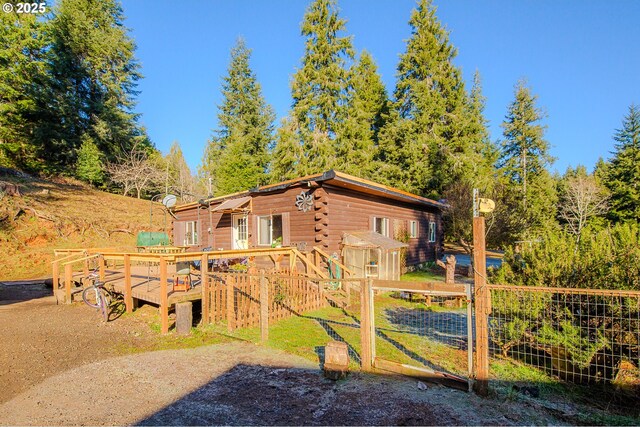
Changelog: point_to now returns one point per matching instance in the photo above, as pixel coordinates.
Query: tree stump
(336, 360)
(184, 318)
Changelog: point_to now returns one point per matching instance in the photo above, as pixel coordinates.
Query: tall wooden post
(204, 281)
(366, 337)
(264, 308)
(68, 277)
(482, 305)
(128, 298)
(164, 296)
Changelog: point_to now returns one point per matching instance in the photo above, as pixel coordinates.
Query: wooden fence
(245, 300)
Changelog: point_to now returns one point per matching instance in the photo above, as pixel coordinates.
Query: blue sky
(582, 59)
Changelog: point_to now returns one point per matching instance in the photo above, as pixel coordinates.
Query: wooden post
(184, 317)
(68, 277)
(56, 276)
(231, 313)
(264, 308)
(482, 294)
(204, 281)
(128, 298)
(366, 338)
(164, 296)
(85, 270)
(103, 265)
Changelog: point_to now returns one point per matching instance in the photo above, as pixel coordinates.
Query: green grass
(422, 276)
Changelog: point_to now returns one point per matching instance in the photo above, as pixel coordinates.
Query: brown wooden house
(317, 210)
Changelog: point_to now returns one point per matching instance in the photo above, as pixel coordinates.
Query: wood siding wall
(353, 211)
(346, 210)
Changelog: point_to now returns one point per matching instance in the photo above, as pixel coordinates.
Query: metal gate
(419, 329)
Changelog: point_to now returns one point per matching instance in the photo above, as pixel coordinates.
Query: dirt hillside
(62, 213)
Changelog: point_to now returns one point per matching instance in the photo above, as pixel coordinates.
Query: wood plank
(55, 279)
(206, 293)
(230, 305)
(426, 374)
(440, 287)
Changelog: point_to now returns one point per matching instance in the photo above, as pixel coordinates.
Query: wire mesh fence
(583, 336)
(423, 330)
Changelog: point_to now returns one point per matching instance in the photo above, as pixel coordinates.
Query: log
(184, 317)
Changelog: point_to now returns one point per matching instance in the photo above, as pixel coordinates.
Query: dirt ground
(59, 365)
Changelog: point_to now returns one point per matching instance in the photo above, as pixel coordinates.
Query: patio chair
(182, 278)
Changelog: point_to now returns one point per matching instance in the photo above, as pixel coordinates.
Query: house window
(191, 233)
(381, 225)
(432, 232)
(269, 230)
(413, 229)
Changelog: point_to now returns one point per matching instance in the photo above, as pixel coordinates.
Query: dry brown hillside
(63, 213)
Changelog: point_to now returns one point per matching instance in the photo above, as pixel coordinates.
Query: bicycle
(97, 296)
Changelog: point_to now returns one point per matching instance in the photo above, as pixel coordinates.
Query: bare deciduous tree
(135, 171)
(582, 199)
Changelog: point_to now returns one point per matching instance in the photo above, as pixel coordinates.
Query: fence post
(231, 314)
(365, 325)
(128, 298)
(68, 277)
(264, 308)
(164, 296)
(204, 281)
(482, 304)
(103, 265)
(56, 277)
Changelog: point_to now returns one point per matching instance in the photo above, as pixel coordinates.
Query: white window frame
(413, 229)
(271, 239)
(385, 225)
(432, 231)
(239, 229)
(191, 237)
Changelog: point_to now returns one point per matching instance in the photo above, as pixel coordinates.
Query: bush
(608, 258)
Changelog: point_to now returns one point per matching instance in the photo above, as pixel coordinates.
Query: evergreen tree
(287, 153)
(623, 170)
(431, 141)
(319, 87)
(366, 111)
(238, 155)
(22, 75)
(178, 174)
(89, 165)
(528, 201)
(93, 74)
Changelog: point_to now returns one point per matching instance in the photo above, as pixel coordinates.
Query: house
(320, 210)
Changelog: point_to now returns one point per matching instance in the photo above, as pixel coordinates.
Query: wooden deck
(145, 284)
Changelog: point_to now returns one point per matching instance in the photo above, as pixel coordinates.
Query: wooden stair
(338, 297)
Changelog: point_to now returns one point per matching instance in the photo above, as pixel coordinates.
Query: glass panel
(276, 225)
(264, 230)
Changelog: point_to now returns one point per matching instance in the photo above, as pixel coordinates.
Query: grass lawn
(422, 276)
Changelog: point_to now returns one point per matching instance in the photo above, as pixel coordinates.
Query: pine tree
(22, 75)
(93, 74)
(429, 142)
(529, 199)
(366, 112)
(89, 165)
(287, 153)
(623, 170)
(178, 174)
(319, 87)
(237, 157)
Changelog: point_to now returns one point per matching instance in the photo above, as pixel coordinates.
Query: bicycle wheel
(104, 306)
(90, 296)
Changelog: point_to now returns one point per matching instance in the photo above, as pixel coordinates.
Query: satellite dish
(169, 201)
(486, 205)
